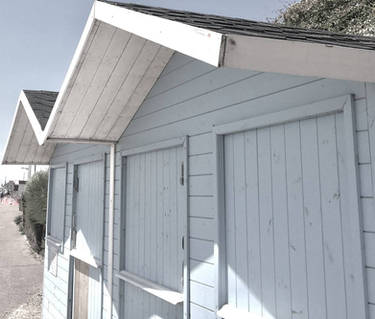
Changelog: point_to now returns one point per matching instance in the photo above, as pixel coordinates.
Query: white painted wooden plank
(369, 240)
(297, 95)
(133, 78)
(352, 223)
(240, 230)
(313, 223)
(281, 222)
(363, 143)
(171, 34)
(368, 214)
(159, 291)
(202, 295)
(201, 313)
(366, 186)
(25, 144)
(16, 136)
(88, 68)
(93, 92)
(285, 116)
(174, 79)
(115, 82)
(202, 250)
(298, 57)
(202, 228)
(202, 272)
(32, 150)
(266, 212)
(370, 93)
(371, 284)
(297, 242)
(201, 185)
(201, 164)
(177, 61)
(200, 144)
(201, 207)
(145, 84)
(228, 95)
(330, 192)
(361, 115)
(191, 85)
(254, 283)
(230, 219)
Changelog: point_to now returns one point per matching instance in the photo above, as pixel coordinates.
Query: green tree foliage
(344, 16)
(36, 198)
(35, 209)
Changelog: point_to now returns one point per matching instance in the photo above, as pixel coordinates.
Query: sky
(39, 37)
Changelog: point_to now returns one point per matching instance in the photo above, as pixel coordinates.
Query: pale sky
(38, 39)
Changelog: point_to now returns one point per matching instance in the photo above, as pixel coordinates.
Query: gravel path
(21, 273)
(32, 309)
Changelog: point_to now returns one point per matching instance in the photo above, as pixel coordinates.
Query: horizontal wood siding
(188, 99)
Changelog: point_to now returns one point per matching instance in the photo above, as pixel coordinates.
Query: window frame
(51, 239)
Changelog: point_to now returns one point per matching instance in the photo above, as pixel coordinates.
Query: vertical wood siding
(285, 203)
(188, 99)
(153, 229)
(89, 209)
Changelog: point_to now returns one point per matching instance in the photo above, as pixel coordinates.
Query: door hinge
(182, 176)
(76, 184)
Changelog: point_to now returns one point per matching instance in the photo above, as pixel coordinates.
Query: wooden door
(290, 251)
(154, 230)
(89, 210)
(81, 290)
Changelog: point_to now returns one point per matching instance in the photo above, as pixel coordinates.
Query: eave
(122, 53)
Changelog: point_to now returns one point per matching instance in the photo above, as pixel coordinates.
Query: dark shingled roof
(227, 25)
(42, 103)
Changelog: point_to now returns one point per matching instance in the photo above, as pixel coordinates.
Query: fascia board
(299, 58)
(199, 43)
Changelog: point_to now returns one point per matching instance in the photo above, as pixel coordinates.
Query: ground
(21, 272)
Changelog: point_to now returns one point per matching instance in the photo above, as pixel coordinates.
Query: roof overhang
(122, 52)
(23, 145)
(97, 103)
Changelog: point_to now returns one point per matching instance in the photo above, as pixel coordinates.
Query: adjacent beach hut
(206, 167)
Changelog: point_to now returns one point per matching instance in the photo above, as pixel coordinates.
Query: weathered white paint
(154, 199)
(56, 204)
(171, 34)
(23, 146)
(169, 295)
(88, 211)
(259, 200)
(188, 100)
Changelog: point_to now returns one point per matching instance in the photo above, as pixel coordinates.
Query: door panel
(56, 214)
(285, 201)
(81, 289)
(154, 228)
(89, 188)
(87, 291)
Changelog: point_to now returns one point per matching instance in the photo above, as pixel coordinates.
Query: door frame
(344, 104)
(170, 143)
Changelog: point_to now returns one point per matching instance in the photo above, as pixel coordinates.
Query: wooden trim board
(168, 295)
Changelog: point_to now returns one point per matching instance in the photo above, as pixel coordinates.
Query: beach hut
(206, 167)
